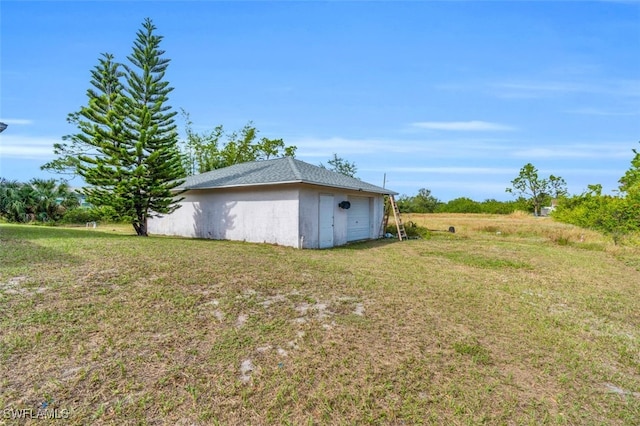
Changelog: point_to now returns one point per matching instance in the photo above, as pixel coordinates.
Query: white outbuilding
(282, 201)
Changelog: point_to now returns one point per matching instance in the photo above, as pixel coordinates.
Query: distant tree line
(424, 202)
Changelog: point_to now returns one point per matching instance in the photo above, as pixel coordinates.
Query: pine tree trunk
(141, 227)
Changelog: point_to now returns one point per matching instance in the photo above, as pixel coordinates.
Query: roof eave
(240, 185)
(383, 192)
(183, 188)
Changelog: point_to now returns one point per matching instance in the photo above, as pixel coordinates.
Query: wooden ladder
(402, 233)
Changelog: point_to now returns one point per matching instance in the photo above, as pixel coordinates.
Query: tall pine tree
(151, 131)
(101, 138)
(93, 121)
(127, 131)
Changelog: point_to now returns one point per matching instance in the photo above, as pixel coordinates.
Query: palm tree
(40, 198)
(51, 198)
(17, 201)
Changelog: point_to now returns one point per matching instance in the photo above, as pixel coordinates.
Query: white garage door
(358, 221)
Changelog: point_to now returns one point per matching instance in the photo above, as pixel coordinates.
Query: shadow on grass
(366, 245)
(19, 247)
(34, 232)
(17, 253)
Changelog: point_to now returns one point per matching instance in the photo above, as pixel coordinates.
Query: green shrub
(492, 206)
(460, 205)
(80, 215)
(93, 214)
(615, 216)
(412, 229)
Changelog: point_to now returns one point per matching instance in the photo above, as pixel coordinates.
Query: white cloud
(528, 90)
(543, 89)
(552, 88)
(467, 188)
(433, 148)
(477, 150)
(465, 126)
(26, 147)
(451, 170)
(602, 112)
(326, 147)
(576, 151)
(585, 172)
(16, 121)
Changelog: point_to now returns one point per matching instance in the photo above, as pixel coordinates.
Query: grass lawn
(511, 320)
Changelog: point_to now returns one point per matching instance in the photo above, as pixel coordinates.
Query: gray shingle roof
(277, 171)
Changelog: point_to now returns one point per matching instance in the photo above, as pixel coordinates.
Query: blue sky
(451, 96)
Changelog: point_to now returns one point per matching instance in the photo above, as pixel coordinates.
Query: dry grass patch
(466, 328)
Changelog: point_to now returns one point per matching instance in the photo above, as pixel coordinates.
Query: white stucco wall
(309, 225)
(265, 215)
(281, 214)
(377, 215)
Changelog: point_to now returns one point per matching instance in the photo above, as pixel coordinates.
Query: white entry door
(326, 221)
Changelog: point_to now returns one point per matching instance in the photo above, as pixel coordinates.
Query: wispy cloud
(462, 126)
(457, 148)
(451, 170)
(602, 112)
(26, 147)
(466, 188)
(544, 89)
(16, 121)
(477, 147)
(324, 147)
(532, 90)
(575, 151)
